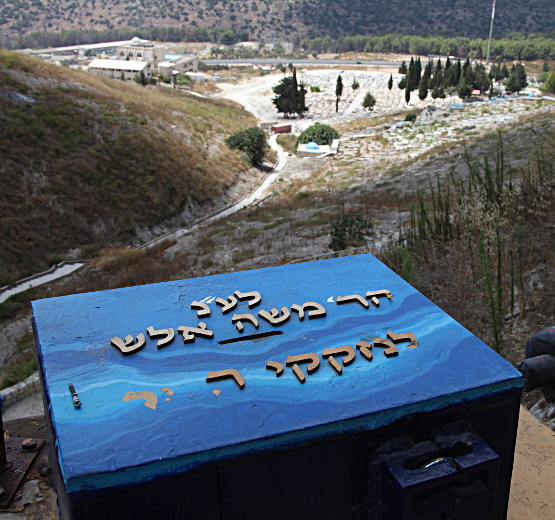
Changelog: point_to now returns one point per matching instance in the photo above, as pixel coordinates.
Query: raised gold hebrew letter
(225, 374)
(273, 316)
(236, 318)
(227, 306)
(352, 298)
(253, 296)
(169, 333)
(189, 333)
(373, 296)
(390, 348)
(365, 349)
(347, 351)
(318, 312)
(204, 311)
(126, 346)
(274, 365)
(311, 357)
(405, 336)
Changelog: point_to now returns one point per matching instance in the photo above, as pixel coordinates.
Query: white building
(182, 65)
(115, 68)
(141, 50)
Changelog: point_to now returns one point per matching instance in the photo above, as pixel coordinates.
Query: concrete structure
(182, 65)
(309, 150)
(266, 125)
(196, 76)
(248, 45)
(141, 50)
(303, 150)
(115, 68)
(92, 49)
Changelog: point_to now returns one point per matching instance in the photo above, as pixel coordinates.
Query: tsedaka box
(322, 390)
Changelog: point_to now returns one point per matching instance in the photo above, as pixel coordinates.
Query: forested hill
(284, 19)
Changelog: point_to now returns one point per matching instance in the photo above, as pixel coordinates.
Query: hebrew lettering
(274, 365)
(390, 348)
(311, 358)
(189, 333)
(226, 374)
(405, 336)
(227, 305)
(365, 349)
(352, 298)
(273, 316)
(169, 333)
(237, 318)
(253, 296)
(348, 357)
(318, 312)
(127, 346)
(373, 296)
(204, 311)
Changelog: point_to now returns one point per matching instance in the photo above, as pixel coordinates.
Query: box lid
(152, 411)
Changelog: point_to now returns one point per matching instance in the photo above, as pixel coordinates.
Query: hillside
(89, 163)
(282, 19)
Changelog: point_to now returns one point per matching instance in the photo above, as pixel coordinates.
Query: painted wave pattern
(109, 433)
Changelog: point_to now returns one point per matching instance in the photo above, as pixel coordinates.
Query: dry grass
(287, 142)
(89, 161)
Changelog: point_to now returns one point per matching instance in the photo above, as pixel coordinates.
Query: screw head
(45, 471)
(29, 445)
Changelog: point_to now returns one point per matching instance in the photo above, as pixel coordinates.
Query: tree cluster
(252, 142)
(513, 47)
(437, 78)
(290, 96)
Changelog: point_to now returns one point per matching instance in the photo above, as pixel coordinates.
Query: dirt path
(255, 95)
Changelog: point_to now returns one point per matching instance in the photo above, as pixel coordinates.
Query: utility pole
(490, 31)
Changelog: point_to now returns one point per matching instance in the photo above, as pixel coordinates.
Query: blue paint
(104, 443)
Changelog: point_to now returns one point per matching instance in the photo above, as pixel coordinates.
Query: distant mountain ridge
(281, 19)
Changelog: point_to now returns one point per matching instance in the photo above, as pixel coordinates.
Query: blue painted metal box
(329, 390)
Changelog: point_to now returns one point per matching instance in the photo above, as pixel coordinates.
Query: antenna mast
(490, 31)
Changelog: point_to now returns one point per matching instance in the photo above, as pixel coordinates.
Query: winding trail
(257, 195)
(62, 269)
(66, 268)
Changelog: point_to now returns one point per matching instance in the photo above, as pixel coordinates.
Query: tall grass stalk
(491, 277)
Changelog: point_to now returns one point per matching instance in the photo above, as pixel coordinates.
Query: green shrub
(319, 133)
(251, 141)
(348, 231)
(411, 117)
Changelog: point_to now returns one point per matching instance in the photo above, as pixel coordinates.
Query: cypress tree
(338, 91)
(457, 75)
(466, 65)
(470, 76)
(390, 82)
(410, 74)
(294, 86)
(423, 87)
(437, 80)
(448, 73)
(498, 72)
(417, 73)
(407, 88)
